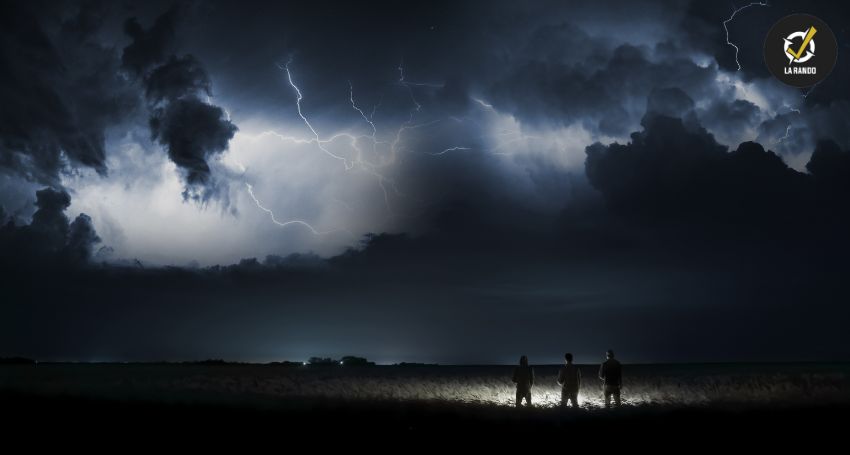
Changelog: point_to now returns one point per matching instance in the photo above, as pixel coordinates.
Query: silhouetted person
(611, 374)
(524, 379)
(569, 377)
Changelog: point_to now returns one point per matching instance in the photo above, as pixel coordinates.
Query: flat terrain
(720, 401)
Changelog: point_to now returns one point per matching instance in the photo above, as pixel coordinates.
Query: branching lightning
(298, 98)
(358, 161)
(726, 22)
(788, 127)
(271, 213)
(730, 43)
(290, 222)
(391, 143)
(362, 114)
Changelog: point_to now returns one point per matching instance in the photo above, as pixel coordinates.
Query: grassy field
(729, 385)
(756, 406)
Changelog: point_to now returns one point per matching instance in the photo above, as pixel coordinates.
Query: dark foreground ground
(91, 421)
(802, 408)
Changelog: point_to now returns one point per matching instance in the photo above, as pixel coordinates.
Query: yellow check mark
(809, 35)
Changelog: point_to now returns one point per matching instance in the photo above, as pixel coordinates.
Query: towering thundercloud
(192, 130)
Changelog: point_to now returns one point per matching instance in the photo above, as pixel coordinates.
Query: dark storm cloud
(60, 90)
(82, 237)
(702, 27)
(478, 42)
(149, 47)
(669, 171)
(603, 99)
(831, 167)
(829, 120)
(737, 116)
(682, 188)
(671, 102)
(49, 241)
(701, 30)
(192, 131)
(175, 78)
(796, 132)
(671, 190)
(49, 221)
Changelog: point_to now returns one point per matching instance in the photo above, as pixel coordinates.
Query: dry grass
(644, 385)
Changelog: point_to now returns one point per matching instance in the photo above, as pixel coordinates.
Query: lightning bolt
(386, 184)
(417, 106)
(788, 127)
(403, 81)
(271, 213)
(349, 164)
(785, 136)
(450, 149)
(362, 114)
(298, 98)
(726, 22)
(484, 104)
(290, 222)
(393, 147)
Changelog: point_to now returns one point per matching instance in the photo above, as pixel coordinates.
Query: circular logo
(800, 50)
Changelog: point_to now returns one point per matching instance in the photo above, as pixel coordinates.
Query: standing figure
(524, 379)
(611, 374)
(569, 377)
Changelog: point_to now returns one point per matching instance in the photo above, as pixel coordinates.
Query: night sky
(452, 182)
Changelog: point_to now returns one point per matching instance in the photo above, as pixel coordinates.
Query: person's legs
(617, 396)
(564, 398)
(607, 397)
(520, 394)
(574, 398)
